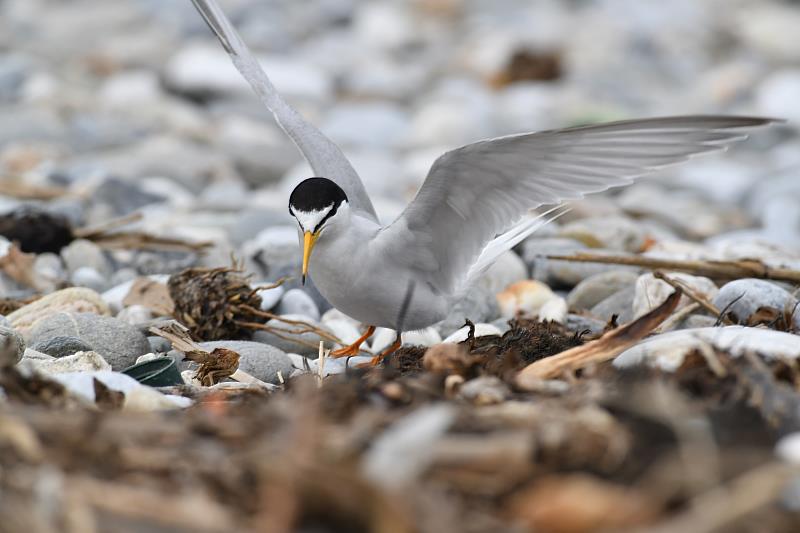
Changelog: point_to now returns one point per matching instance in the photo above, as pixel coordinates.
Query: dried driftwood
(611, 344)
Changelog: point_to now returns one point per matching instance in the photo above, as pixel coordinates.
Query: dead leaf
(214, 366)
(19, 266)
(150, 294)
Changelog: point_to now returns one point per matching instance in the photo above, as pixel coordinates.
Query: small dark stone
(62, 346)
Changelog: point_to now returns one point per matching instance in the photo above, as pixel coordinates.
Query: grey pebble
(594, 289)
(119, 343)
(743, 297)
(159, 344)
(61, 346)
(619, 303)
(12, 347)
(479, 305)
(82, 253)
(579, 323)
(87, 276)
(271, 297)
(297, 302)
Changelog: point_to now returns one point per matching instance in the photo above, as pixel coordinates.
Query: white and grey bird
(473, 206)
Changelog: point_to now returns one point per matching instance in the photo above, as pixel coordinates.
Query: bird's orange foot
(378, 359)
(355, 348)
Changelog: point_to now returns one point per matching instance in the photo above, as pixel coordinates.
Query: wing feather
(476, 192)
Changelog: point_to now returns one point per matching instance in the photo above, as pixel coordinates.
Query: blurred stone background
(133, 105)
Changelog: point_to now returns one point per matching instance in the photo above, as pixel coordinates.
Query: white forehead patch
(309, 219)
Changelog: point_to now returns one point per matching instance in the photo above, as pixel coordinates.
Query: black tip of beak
(303, 282)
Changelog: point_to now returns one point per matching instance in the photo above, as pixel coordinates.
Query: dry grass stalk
(723, 270)
(107, 235)
(605, 348)
(691, 294)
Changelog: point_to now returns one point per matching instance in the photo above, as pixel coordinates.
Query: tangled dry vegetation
(531, 431)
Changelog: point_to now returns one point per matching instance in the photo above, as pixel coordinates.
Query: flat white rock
(481, 330)
(667, 351)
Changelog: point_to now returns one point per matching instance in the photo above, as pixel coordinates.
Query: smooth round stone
(579, 323)
(509, 268)
(135, 315)
(123, 275)
(334, 314)
(62, 346)
(271, 297)
(478, 305)
(788, 448)
(261, 152)
(481, 330)
(385, 25)
(49, 271)
(119, 343)
(12, 347)
(275, 251)
(261, 361)
(554, 310)
(159, 344)
(776, 96)
(343, 329)
(73, 299)
(743, 297)
(373, 124)
(698, 321)
(652, 292)
(667, 350)
(597, 288)
(250, 222)
(620, 304)
(297, 302)
(132, 86)
(611, 233)
(86, 276)
(82, 253)
(124, 197)
(199, 69)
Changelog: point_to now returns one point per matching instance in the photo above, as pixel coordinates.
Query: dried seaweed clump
(214, 303)
(36, 230)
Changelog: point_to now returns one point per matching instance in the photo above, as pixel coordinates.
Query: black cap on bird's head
(313, 202)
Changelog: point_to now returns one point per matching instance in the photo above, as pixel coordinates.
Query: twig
(745, 268)
(606, 347)
(689, 291)
(109, 225)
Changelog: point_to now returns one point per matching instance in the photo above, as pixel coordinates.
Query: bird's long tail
(519, 232)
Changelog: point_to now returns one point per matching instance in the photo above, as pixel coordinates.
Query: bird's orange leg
(354, 348)
(378, 359)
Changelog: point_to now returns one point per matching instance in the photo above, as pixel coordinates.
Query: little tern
(472, 206)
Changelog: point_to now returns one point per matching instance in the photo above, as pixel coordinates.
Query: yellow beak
(309, 239)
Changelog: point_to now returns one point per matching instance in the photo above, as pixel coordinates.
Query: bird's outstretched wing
(476, 192)
(325, 158)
